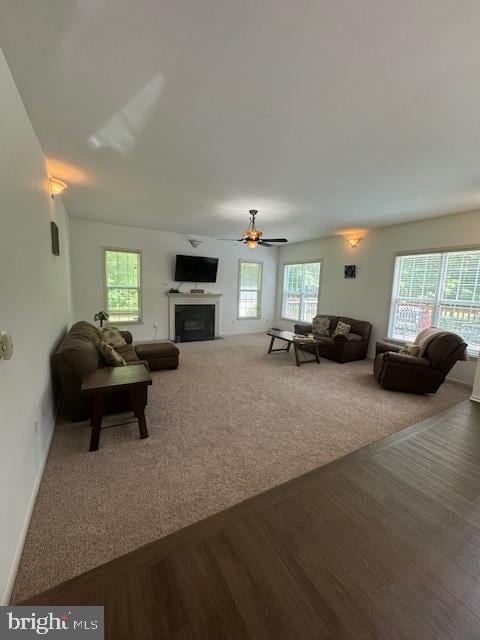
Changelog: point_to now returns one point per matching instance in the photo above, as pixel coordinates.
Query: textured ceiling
(183, 114)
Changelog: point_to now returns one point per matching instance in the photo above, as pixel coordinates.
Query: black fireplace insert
(194, 322)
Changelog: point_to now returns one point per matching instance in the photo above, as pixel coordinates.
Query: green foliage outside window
(123, 279)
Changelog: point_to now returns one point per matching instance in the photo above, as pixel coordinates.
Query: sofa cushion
(111, 335)
(109, 356)
(361, 327)
(128, 353)
(341, 329)
(326, 341)
(321, 326)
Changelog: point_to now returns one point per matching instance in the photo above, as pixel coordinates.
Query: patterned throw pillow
(410, 349)
(111, 335)
(341, 329)
(321, 326)
(109, 356)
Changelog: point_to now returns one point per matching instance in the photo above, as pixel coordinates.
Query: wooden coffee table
(298, 342)
(134, 379)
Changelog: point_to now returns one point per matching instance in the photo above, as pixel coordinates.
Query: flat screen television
(195, 269)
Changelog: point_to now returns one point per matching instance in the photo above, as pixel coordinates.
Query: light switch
(6, 346)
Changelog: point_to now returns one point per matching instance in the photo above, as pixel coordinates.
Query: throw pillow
(109, 356)
(341, 329)
(111, 335)
(410, 349)
(321, 326)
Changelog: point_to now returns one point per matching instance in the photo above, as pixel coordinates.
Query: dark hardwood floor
(383, 543)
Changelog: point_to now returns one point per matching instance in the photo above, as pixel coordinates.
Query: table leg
(139, 409)
(271, 344)
(97, 411)
(297, 359)
(317, 355)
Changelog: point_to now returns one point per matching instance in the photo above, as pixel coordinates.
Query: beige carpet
(229, 423)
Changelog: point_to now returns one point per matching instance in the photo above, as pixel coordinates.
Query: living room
(307, 179)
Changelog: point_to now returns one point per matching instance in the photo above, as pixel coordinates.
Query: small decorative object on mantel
(350, 271)
(197, 290)
(55, 240)
(101, 316)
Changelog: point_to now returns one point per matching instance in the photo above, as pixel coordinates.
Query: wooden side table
(134, 379)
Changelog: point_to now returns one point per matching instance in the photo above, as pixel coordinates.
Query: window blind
(123, 285)
(437, 290)
(300, 291)
(249, 289)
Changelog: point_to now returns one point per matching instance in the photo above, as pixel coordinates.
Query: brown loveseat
(345, 348)
(418, 374)
(77, 355)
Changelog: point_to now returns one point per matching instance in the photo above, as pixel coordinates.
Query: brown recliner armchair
(418, 374)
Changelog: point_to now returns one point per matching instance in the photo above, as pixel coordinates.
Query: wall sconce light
(56, 186)
(195, 243)
(354, 241)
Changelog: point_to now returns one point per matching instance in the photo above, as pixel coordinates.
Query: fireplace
(194, 322)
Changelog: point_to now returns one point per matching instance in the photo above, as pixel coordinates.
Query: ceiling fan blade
(231, 239)
(275, 239)
(265, 244)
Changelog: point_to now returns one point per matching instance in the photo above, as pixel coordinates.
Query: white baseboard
(462, 382)
(21, 542)
(475, 398)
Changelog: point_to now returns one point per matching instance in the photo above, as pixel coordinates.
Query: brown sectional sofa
(77, 355)
(351, 346)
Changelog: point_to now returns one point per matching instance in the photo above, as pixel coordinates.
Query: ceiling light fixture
(354, 241)
(57, 186)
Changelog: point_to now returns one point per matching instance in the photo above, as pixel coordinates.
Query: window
(300, 291)
(123, 300)
(249, 289)
(437, 290)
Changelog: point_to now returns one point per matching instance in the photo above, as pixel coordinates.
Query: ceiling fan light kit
(252, 237)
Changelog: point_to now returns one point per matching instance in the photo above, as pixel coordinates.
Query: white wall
(368, 296)
(34, 307)
(158, 258)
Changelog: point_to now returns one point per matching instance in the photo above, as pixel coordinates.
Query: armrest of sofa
(303, 328)
(127, 336)
(403, 358)
(382, 346)
(348, 337)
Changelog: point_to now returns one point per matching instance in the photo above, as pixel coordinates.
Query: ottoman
(159, 355)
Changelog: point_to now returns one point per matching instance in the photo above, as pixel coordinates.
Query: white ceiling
(183, 114)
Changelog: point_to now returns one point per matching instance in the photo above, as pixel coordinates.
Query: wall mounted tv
(195, 269)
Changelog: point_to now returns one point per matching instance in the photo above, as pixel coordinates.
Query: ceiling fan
(252, 238)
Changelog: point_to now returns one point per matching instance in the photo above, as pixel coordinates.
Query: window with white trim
(437, 290)
(123, 278)
(249, 289)
(301, 283)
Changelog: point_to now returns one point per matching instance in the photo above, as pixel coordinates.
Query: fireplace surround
(194, 324)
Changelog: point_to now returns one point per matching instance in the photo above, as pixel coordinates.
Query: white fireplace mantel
(192, 298)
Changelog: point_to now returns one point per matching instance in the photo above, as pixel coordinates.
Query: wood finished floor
(383, 543)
